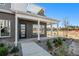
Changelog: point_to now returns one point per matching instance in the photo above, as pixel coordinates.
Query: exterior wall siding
(11, 17)
(6, 6)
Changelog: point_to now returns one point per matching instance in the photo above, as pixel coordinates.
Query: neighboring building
(21, 21)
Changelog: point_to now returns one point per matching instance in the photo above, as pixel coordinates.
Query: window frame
(42, 29)
(9, 31)
(37, 29)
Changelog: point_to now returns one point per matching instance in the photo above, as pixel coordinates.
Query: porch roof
(35, 17)
(6, 11)
(31, 16)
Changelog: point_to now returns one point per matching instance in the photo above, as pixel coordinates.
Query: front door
(22, 31)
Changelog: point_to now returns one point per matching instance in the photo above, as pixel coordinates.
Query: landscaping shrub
(3, 51)
(1, 44)
(58, 42)
(14, 50)
(62, 51)
(49, 44)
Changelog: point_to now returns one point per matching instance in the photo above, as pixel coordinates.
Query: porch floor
(33, 39)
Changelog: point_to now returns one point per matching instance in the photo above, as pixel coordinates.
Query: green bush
(1, 44)
(62, 51)
(58, 42)
(14, 50)
(49, 44)
(3, 51)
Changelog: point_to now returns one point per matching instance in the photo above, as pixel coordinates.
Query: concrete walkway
(32, 49)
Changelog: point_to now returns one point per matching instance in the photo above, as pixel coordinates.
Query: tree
(66, 24)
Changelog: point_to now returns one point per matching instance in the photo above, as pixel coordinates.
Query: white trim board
(35, 18)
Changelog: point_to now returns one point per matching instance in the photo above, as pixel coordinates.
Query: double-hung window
(5, 28)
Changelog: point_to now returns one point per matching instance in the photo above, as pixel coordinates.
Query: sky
(60, 11)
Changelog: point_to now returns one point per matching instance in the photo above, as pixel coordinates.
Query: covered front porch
(28, 29)
(38, 20)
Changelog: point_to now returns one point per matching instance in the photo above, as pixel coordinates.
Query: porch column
(57, 29)
(0, 30)
(16, 30)
(51, 29)
(38, 30)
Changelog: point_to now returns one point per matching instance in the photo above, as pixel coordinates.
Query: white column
(16, 30)
(51, 30)
(0, 30)
(38, 30)
(57, 29)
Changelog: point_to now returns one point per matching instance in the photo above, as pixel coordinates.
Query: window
(23, 30)
(5, 28)
(35, 29)
(42, 29)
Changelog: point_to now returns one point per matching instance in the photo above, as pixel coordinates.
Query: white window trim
(4, 36)
(10, 31)
(39, 29)
(43, 29)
